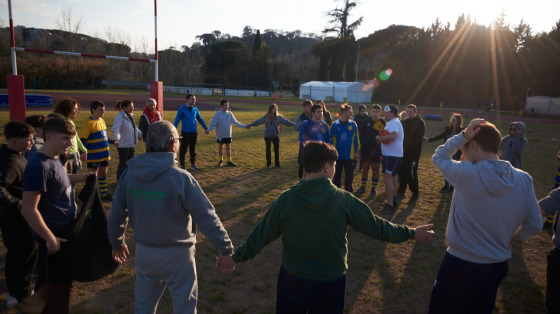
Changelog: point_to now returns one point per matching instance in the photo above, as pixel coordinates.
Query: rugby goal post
(16, 86)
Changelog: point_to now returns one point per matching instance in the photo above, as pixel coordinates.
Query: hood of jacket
(148, 166)
(312, 192)
(497, 176)
(519, 125)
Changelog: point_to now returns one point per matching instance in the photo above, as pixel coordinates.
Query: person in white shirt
(392, 151)
(222, 121)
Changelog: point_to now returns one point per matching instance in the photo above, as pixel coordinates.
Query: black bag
(87, 255)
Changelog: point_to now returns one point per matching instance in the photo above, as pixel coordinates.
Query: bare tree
(70, 25)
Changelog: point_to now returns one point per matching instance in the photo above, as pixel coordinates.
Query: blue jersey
(188, 117)
(345, 138)
(314, 131)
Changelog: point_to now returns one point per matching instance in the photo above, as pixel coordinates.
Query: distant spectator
(149, 115)
(513, 145)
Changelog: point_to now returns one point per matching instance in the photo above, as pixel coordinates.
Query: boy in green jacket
(312, 218)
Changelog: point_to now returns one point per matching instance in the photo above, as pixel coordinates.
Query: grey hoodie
(513, 146)
(162, 202)
(493, 202)
(271, 127)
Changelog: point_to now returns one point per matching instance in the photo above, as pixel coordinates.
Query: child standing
(21, 256)
(513, 145)
(222, 121)
(272, 120)
(36, 121)
(371, 149)
(126, 133)
(95, 138)
(345, 138)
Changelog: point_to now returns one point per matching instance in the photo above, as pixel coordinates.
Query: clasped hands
(225, 263)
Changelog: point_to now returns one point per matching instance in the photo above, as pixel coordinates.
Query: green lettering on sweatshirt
(147, 195)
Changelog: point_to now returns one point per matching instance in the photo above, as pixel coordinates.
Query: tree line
(468, 65)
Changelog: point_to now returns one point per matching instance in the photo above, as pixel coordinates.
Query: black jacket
(414, 130)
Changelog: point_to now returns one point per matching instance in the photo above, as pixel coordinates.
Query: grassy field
(382, 278)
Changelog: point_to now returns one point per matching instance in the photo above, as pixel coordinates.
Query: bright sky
(180, 21)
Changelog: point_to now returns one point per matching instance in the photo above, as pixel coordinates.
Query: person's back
(312, 217)
(493, 204)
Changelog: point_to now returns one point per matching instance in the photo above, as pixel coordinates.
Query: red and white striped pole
(156, 87)
(16, 87)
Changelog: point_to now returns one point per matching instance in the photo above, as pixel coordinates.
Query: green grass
(382, 277)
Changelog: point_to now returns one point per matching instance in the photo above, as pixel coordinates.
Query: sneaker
(277, 166)
(107, 197)
(231, 164)
(413, 198)
(267, 166)
(194, 168)
(361, 190)
(444, 189)
(220, 163)
(388, 209)
(373, 193)
(11, 302)
(400, 194)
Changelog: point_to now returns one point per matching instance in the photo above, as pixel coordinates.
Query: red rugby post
(16, 86)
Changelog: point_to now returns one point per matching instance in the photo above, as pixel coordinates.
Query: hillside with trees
(467, 64)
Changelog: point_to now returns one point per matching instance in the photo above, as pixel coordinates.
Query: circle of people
(162, 201)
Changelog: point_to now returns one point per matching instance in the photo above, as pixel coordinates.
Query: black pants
(276, 142)
(21, 255)
(125, 154)
(408, 175)
(188, 140)
(553, 281)
(348, 165)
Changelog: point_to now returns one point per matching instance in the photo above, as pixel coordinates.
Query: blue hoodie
(493, 202)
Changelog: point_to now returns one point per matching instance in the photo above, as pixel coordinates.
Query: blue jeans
(466, 287)
(299, 295)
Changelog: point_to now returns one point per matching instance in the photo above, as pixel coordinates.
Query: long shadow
(519, 292)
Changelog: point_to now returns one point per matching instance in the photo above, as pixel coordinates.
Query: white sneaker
(11, 302)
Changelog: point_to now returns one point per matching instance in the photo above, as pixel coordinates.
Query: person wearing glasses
(455, 127)
(163, 204)
(513, 145)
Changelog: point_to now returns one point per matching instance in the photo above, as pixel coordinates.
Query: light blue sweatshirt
(493, 202)
(222, 121)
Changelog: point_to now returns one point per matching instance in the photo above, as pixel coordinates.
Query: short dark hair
(345, 107)
(315, 108)
(95, 104)
(412, 106)
(307, 102)
(189, 96)
(35, 121)
(223, 102)
(315, 154)
(488, 138)
(17, 129)
(58, 124)
(376, 106)
(65, 107)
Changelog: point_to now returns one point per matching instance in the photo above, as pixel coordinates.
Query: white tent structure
(354, 92)
(543, 105)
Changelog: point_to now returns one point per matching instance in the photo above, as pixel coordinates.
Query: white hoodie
(222, 122)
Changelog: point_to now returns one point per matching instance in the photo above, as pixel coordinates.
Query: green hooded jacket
(312, 218)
